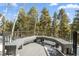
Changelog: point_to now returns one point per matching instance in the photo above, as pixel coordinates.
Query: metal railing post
(74, 43)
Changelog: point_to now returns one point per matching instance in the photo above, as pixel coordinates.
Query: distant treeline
(58, 25)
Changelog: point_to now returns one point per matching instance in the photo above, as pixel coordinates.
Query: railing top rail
(62, 41)
(21, 41)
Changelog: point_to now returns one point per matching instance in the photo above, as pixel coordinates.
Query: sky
(10, 10)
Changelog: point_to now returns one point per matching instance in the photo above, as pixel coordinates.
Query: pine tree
(64, 25)
(55, 25)
(21, 20)
(33, 17)
(8, 26)
(76, 22)
(45, 22)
